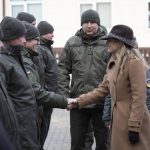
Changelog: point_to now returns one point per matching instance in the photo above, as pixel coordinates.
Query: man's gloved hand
(133, 137)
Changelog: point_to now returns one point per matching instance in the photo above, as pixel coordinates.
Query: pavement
(59, 133)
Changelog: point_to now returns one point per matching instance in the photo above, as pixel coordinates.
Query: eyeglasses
(37, 39)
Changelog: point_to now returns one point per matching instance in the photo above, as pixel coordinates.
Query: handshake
(72, 103)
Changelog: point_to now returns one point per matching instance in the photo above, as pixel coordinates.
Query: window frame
(94, 7)
(25, 4)
(148, 9)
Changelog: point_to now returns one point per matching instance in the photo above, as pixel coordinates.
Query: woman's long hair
(138, 54)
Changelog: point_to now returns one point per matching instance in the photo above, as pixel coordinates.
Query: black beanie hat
(44, 27)
(90, 15)
(12, 28)
(23, 16)
(1, 33)
(32, 31)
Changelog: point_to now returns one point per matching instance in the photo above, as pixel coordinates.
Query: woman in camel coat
(125, 81)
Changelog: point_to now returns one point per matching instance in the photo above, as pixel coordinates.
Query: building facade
(64, 15)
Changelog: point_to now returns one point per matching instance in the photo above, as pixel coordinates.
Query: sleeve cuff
(135, 125)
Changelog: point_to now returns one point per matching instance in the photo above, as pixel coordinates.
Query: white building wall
(7, 4)
(61, 14)
(135, 14)
(1, 9)
(64, 15)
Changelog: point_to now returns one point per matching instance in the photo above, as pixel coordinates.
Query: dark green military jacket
(21, 94)
(50, 65)
(86, 60)
(8, 116)
(43, 97)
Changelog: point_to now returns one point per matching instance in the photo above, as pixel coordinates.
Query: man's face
(48, 36)
(19, 41)
(90, 28)
(32, 44)
(33, 23)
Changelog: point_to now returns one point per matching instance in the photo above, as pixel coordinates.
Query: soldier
(7, 112)
(50, 69)
(43, 97)
(15, 80)
(85, 57)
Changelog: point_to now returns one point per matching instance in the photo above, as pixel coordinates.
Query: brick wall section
(146, 53)
(144, 50)
(57, 52)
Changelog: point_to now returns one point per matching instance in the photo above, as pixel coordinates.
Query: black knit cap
(90, 15)
(1, 33)
(23, 16)
(32, 31)
(12, 28)
(44, 27)
(122, 33)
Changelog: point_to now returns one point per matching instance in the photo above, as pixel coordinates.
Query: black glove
(133, 137)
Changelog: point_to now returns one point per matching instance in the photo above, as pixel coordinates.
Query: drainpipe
(3, 8)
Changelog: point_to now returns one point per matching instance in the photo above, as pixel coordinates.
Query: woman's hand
(133, 137)
(72, 103)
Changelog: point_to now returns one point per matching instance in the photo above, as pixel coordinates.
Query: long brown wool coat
(129, 112)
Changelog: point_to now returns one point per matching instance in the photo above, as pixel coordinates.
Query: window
(84, 7)
(149, 14)
(103, 9)
(16, 9)
(16, 0)
(33, 7)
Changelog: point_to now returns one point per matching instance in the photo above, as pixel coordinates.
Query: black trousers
(45, 125)
(89, 137)
(79, 123)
